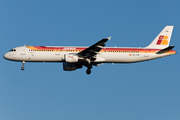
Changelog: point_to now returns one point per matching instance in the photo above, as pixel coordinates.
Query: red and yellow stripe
(78, 49)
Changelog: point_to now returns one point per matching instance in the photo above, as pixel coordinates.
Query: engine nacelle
(70, 66)
(70, 58)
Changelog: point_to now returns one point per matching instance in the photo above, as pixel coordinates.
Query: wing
(91, 51)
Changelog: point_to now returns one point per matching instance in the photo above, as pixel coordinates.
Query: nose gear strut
(22, 68)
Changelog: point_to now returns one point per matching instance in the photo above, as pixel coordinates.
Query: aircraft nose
(6, 56)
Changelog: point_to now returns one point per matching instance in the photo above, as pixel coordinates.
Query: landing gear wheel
(22, 68)
(88, 71)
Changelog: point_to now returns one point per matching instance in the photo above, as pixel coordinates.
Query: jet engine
(70, 66)
(70, 58)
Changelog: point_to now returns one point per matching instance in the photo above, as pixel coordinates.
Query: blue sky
(139, 91)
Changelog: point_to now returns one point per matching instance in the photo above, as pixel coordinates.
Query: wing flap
(91, 51)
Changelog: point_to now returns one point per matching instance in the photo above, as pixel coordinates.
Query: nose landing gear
(22, 68)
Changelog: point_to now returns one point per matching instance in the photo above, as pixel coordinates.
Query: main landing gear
(88, 71)
(22, 68)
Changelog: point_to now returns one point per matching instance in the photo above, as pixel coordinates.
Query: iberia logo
(162, 40)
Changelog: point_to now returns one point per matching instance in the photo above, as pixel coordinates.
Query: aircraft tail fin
(163, 39)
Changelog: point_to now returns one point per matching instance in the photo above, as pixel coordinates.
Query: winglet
(109, 38)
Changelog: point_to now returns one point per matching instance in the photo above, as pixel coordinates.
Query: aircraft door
(57, 51)
(23, 51)
(146, 53)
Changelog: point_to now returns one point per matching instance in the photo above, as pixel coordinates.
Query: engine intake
(70, 66)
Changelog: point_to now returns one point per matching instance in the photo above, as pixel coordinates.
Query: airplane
(76, 57)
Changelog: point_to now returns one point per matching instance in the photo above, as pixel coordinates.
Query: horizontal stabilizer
(165, 50)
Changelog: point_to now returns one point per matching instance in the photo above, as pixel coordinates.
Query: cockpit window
(13, 50)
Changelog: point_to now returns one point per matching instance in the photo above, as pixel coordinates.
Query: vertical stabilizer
(163, 39)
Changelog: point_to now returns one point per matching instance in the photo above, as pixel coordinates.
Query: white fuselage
(75, 57)
(106, 55)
